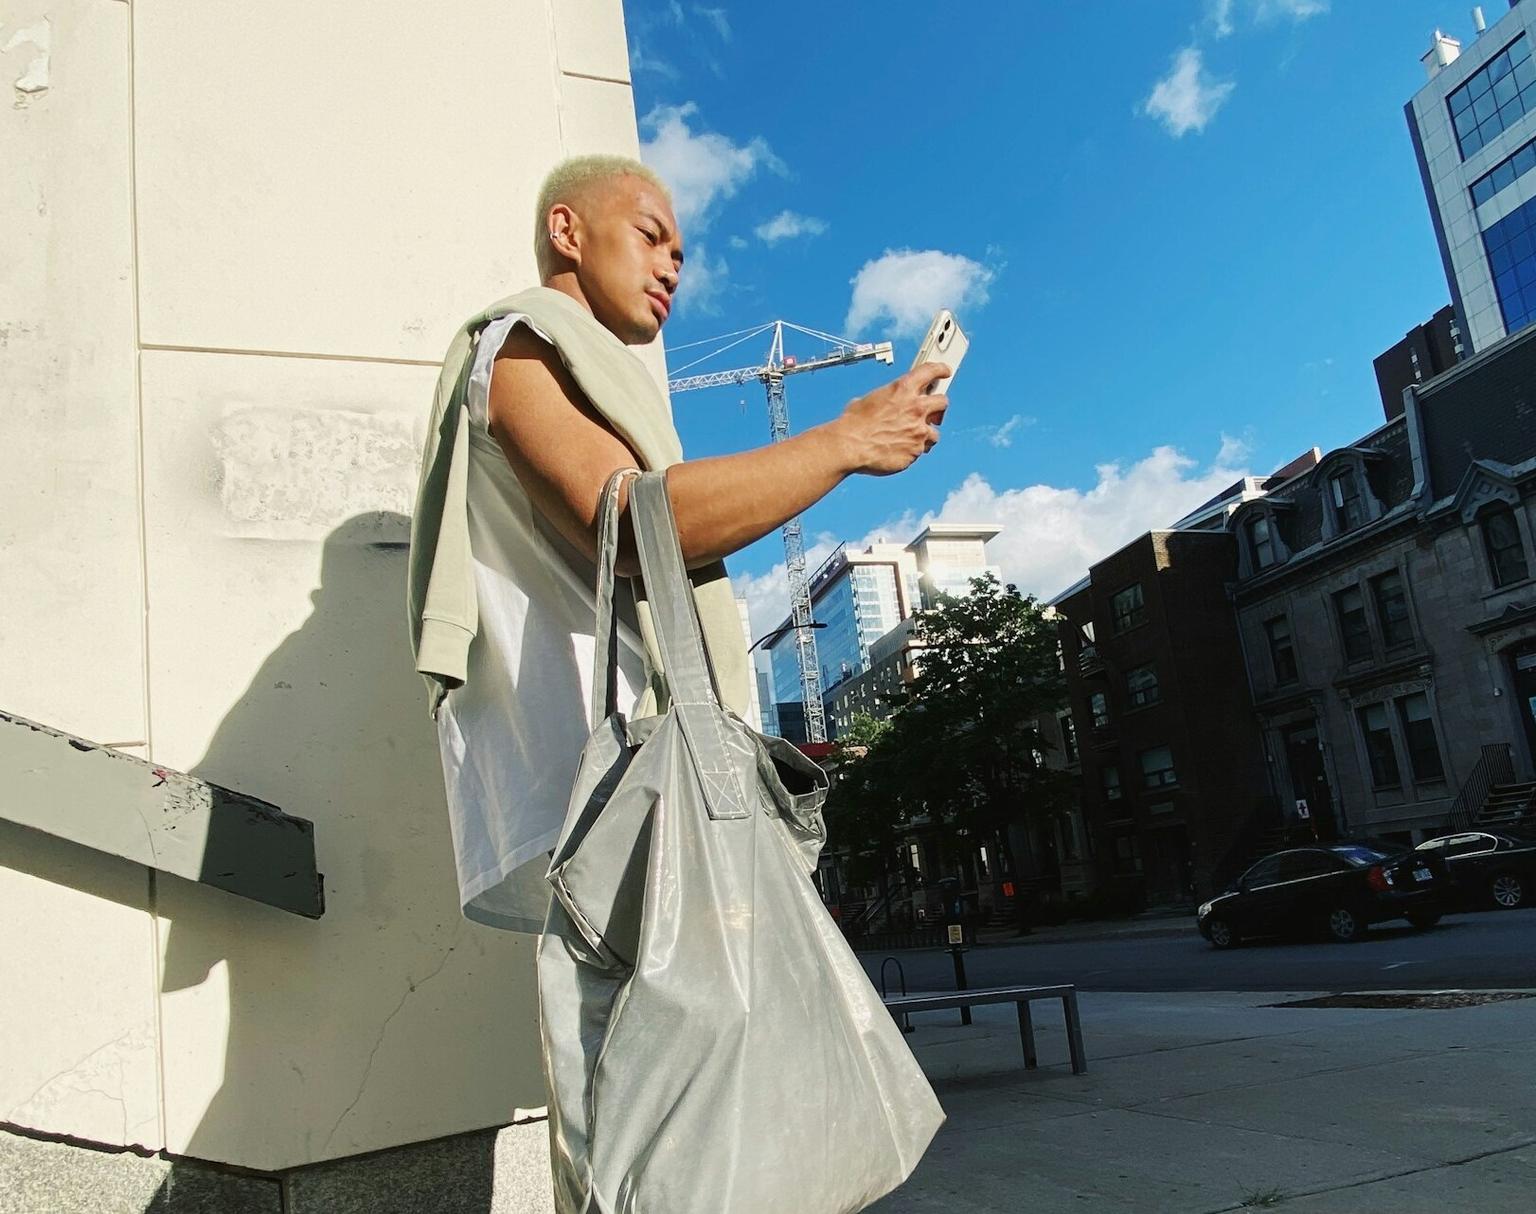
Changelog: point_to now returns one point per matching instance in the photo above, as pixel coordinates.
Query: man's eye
(650, 236)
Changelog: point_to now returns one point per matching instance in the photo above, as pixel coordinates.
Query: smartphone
(945, 343)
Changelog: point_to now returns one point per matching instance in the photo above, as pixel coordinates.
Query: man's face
(630, 254)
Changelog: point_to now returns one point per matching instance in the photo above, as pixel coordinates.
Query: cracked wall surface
(244, 235)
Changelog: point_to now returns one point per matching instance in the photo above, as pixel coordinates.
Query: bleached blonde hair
(569, 179)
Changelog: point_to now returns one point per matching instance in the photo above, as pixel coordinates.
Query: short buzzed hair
(569, 178)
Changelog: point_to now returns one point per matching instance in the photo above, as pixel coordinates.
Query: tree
(963, 745)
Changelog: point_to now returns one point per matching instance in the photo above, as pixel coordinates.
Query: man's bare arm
(563, 453)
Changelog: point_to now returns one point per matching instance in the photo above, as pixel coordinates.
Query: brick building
(1164, 728)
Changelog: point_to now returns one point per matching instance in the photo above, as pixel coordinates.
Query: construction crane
(771, 374)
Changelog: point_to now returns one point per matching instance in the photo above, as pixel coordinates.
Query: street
(1465, 951)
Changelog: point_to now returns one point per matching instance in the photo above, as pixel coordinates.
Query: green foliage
(962, 749)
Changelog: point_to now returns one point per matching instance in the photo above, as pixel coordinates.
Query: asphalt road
(1487, 950)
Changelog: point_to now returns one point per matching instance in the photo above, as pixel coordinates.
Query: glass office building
(1474, 132)
(859, 597)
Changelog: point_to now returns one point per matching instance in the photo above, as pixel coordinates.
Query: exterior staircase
(1508, 807)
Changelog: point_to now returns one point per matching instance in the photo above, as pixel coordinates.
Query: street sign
(956, 934)
(1303, 811)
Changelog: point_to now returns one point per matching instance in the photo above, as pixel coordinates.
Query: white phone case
(945, 343)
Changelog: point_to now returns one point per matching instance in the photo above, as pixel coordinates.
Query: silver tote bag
(711, 1044)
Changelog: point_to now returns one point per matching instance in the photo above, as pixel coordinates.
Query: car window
(1299, 864)
(1360, 855)
(1466, 844)
(1263, 872)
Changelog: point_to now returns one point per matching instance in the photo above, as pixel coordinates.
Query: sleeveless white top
(512, 735)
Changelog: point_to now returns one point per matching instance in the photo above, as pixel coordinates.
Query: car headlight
(1205, 909)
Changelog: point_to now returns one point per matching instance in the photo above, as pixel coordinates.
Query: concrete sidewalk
(1198, 1103)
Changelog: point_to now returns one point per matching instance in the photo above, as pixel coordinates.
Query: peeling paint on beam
(172, 822)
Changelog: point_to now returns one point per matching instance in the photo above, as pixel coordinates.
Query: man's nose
(669, 277)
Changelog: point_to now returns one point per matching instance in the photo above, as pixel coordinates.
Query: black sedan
(1337, 888)
(1487, 867)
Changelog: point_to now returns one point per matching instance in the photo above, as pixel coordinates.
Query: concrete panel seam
(382, 360)
(603, 79)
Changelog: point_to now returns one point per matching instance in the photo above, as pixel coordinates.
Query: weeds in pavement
(1262, 1198)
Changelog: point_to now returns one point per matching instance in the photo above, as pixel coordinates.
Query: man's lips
(663, 304)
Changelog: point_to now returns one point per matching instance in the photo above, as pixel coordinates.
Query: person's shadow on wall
(333, 727)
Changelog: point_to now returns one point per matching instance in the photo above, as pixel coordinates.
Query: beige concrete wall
(238, 239)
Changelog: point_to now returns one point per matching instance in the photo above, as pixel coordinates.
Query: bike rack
(906, 1024)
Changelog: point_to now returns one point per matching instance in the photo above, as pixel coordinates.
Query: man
(538, 406)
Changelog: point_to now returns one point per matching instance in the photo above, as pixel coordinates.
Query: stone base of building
(503, 1171)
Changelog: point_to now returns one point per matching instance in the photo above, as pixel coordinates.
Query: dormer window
(1506, 554)
(1348, 507)
(1260, 542)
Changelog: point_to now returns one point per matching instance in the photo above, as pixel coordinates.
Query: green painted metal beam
(78, 790)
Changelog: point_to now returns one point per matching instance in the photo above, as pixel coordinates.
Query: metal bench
(1020, 995)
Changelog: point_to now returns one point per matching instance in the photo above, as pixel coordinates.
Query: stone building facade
(1387, 611)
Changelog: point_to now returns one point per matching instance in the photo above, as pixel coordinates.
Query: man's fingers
(936, 405)
(933, 437)
(925, 375)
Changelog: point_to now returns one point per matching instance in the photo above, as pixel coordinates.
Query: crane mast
(771, 374)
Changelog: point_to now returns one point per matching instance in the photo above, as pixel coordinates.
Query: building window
(1127, 855)
(1282, 656)
(1157, 768)
(1494, 97)
(1128, 608)
(1348, 509)
(1098, 709)
(1392, 609)
(1353, 627)
(1068, 737)
(1505, 173)
(1142, 684)
(1511, 248)
(1378, 746)
(1506, 554)
(1419, 736)
(1261, 542)
(1111, 779)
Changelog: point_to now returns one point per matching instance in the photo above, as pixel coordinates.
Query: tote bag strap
(718, 753)
(605, 655)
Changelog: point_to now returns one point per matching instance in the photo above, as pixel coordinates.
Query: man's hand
(888, 429)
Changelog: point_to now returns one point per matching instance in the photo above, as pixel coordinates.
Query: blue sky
(1177, 232)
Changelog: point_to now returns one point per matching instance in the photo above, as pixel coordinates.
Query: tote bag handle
(720, 753)
(605, 656)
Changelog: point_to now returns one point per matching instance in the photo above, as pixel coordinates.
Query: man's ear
(564, 233)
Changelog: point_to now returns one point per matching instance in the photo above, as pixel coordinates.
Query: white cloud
(642, 61)
(1222, 14)
(786, 225)
(1002, 436)
(702, 168)
(1234, 451)
(1293, 10)
(905, 287)
(738, 242)
(1188, 97)
(702, 282)
(1051, 535)
(717, 18)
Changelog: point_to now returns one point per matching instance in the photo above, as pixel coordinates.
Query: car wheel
(1423, 922)
(1344, 924)
(1507, 891)
(1220, 933)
